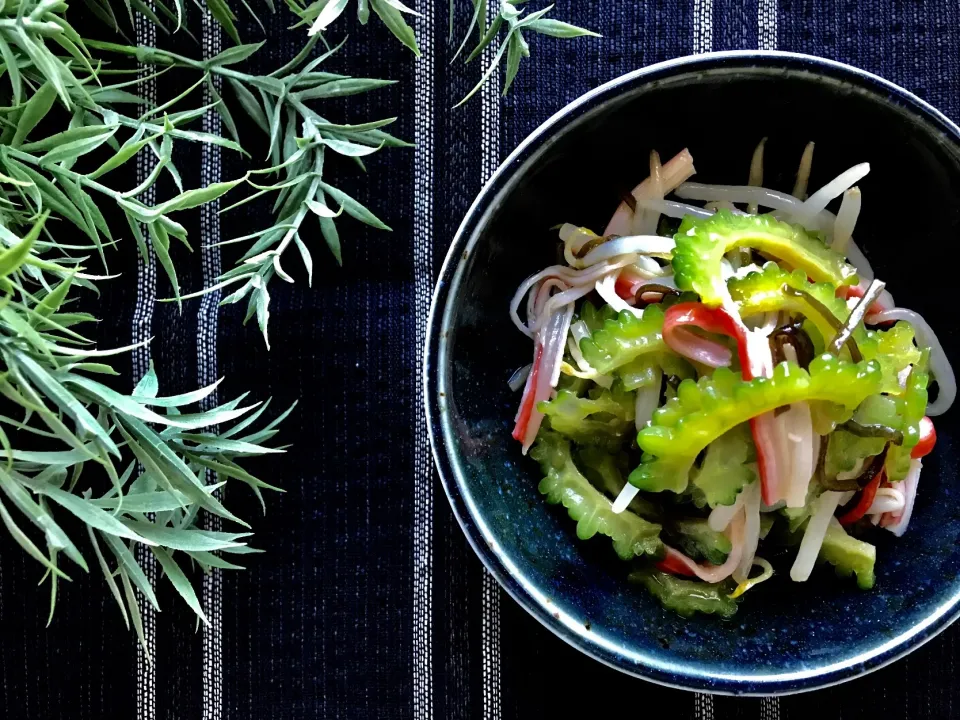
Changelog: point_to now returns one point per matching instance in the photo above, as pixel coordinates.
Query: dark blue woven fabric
(321, 625)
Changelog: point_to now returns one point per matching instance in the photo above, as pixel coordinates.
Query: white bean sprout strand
(939, 364)
(562, 332)
(574, 238)
(678, 169)
(846, 220)
(756, 174)
(803, 172)
(887, 500)
(560, 301)
(519, 377)
(817, 203)
(751, 530)
(761, 196)
(606, 288)
(645, 220)
(897, 524)
(674, 209)
(648, 398)
(721, 515)
(574, 278)
(639, 244)
(626, 496)
(800, 436)
(823, 509)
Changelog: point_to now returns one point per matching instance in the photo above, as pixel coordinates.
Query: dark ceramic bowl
(786, 637)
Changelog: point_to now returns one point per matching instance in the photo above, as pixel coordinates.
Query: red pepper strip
(526, 403)
(928, 438)
(672, 564)
(863, 504)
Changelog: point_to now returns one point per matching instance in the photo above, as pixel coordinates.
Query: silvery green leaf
(513, 58)
(41, 518)
(487, 38)
(148, 386)
(35, 110)
(353, 208)
(330, 12)
(108, 575)
(234, 55)
(559, 29)
(131, 568)
(343, 88)
(26, 543)
(401, 7)
(222, 13)
(394, 21)
(320, 209)
(179, 581)
(184, 539)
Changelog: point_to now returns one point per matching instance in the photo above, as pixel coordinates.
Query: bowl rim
(484, 543)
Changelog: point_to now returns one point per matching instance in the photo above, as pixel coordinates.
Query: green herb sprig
(297, 140)
(513, 44)
(71, 445)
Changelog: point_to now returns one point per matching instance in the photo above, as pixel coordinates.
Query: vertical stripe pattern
(702, 26)
(767, 40)
(767, 25)
(210, 171)
(490, 592)
(146, 34)
(423, 289)
(702, 43)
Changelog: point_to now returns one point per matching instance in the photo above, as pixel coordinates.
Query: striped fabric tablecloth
(368, 602)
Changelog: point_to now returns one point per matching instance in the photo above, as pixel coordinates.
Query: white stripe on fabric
(767, 25)
(490, 598)
(423, 290)
(211, 594)
(769, 708)
(702, 26)
(702, 43)
(703, 706)
(767, 40)
(146, 34)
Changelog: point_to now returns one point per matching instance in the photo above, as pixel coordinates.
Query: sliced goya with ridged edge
(848, 555)
(706, 409)
(686, 597)
(642, 372)
(594, 317)
(912, 406)
(607, 471)
(727, 468)
(624, 338)
(894, 349)
(768, 291)
(602, 417)
(701, 244)
(696, 539)
(593, 511)
(844, 449)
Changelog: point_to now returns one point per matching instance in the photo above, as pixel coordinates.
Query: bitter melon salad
(719, 376)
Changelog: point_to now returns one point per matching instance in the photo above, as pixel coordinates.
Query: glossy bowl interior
(786, 637)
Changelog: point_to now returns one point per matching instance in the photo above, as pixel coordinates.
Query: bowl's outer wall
(908, 227)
